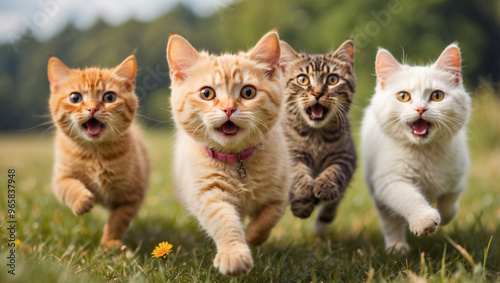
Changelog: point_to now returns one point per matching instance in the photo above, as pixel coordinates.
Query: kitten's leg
(447, 206)
(393, 228)
(325, 216)
(333, 181)
(302, 200)
(406, 200)
(118, 223)
(217, 213)
(74, 194)
(259, 229)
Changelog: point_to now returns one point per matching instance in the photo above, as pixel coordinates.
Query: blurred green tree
(415, 30)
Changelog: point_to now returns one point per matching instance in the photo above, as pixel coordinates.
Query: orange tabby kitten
(231, 158)
(99, 154)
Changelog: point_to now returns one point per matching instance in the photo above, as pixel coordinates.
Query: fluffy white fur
(406, 172)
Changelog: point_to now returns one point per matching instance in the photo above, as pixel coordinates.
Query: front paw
(325, 189)
(302, 202)
(425, 223)
(234, 261)
(83, 203)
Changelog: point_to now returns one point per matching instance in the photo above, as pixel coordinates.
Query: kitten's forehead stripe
(218, 77)
(237, 75)
(323, 64)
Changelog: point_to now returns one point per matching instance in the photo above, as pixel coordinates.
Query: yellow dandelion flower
(18, 243)
(162, 250)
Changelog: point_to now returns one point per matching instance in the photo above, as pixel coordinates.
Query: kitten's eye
(248, 92)
(332, 79)
(437, 95)
(109, 97)
(75, 97)
(303, 80)
(403, 96)
(207, 93)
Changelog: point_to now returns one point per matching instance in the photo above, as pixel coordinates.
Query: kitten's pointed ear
(450, 61)
(57, 71)
(180, 56)
(385, 65)
(288, 54)
(267, 51)
(127, 69)
(346, 51)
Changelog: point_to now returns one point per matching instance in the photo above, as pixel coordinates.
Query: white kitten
(414, 144)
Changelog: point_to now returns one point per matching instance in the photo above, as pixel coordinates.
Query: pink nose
(420, 110)
(92, 110)
(229, 110)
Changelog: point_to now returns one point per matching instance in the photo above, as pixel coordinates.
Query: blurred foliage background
(415, 30)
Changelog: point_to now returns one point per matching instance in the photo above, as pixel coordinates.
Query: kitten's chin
(93, 129)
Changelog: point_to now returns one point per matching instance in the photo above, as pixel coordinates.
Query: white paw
(425, 223)
(234, 261)
(399, 247)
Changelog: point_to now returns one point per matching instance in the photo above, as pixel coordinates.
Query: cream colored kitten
(414, 144)
(226, 106)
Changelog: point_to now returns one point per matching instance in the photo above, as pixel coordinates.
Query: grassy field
(57, 246)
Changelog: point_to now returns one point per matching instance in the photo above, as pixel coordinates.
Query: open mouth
(420, 128)
(317, 112)
(93, 128)
(229, 128)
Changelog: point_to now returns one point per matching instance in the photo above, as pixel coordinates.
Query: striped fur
(111, 169)
(209, 188)
(322, 150)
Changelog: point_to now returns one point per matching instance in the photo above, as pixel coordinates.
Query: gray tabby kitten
(319, 92)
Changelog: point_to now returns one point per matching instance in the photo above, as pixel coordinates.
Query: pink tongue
(317, 110)
(229, 128)
(420, 127)
(93, 126)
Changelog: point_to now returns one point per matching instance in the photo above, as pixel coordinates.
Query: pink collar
(230, 158)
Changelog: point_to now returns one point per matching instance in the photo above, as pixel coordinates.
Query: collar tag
(240, 169)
